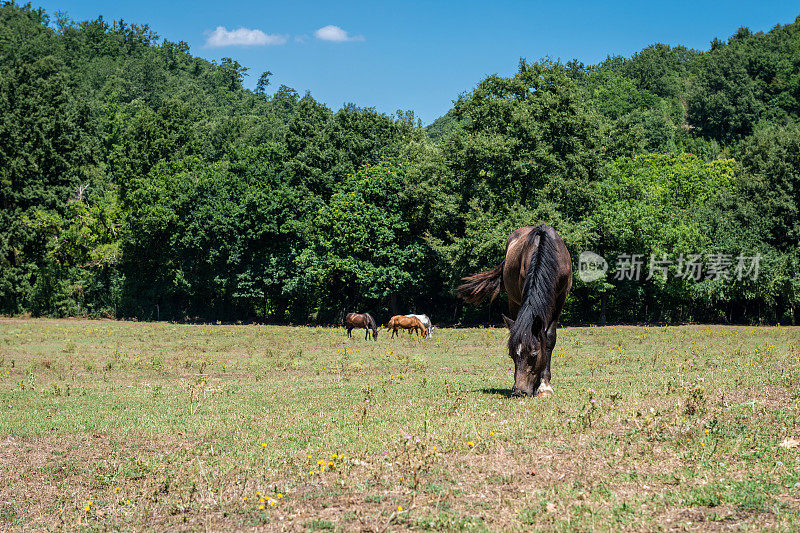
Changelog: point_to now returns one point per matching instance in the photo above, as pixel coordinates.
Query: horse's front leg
(366, 333)
(545, 389)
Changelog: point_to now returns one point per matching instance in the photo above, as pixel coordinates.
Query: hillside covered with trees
(137, 180)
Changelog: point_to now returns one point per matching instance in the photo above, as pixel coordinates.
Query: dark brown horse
(537, 275)
(406, 322)
(365, 320)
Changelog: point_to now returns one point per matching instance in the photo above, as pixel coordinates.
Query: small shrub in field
(696, 401)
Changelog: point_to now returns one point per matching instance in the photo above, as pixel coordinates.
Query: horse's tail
(477, 287)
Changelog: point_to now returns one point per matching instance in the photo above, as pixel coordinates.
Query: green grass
(165, 426)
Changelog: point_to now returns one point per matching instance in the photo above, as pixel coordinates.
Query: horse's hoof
(545, 391)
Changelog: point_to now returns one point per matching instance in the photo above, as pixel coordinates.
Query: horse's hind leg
(349, 331)
(545, 389)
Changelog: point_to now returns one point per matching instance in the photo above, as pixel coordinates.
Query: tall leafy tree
(364, 251)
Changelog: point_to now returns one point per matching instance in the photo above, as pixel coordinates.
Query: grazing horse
(425, 322)
(405, 322)
(365, 320)
(537, 275)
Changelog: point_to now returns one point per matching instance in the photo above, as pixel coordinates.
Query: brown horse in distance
(365, 320)
(537, 275)
(406, 322)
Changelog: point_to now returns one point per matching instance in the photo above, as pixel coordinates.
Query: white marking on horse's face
(519, 349)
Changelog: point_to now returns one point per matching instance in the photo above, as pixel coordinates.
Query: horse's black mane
(370, 321)
(538, 293)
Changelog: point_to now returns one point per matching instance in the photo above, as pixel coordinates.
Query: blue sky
(421, 55)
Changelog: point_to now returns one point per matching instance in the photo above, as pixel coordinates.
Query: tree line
(137, 180)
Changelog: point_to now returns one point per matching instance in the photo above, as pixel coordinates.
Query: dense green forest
(137, 180)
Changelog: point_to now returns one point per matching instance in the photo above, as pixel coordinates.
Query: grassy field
(107, 425)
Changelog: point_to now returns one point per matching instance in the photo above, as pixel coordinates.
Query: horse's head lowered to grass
(526, 349)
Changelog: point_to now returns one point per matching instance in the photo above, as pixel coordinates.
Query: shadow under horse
(537, 276)
(361, 320)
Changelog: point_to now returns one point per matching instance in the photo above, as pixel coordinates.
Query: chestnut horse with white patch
(365, 320)
(537, 275)
(426, 321)
(406, 322)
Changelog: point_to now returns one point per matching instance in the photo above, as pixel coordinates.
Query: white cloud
(242, 37)
(336, 34)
